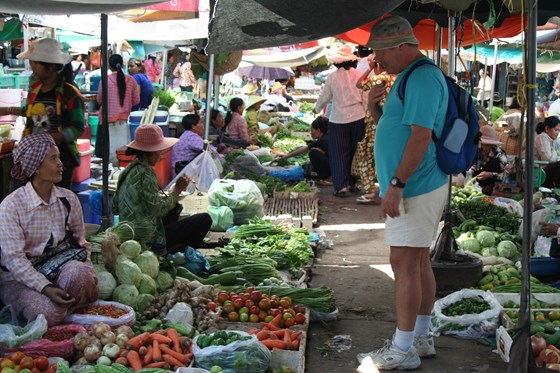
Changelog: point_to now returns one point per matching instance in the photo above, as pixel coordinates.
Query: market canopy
(71, 6)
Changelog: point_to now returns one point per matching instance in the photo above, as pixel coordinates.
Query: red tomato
(249, 303)
(275, 297)
(246, 296)
(250, 289)
(300, 318)
(285, 302)
(273, 303)
(17, 356)
(262, 315)
(297, 308)
(274, 312)
(42, 363)
(264, 304)
(238, 303)
(256, 296)
(212, 306)
(26, 363)
(289, 322)
(254, 310)
(223, 296)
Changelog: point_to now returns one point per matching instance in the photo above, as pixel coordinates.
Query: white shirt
(348, 101)
(272, 100)
(546, 148)
(554, 108)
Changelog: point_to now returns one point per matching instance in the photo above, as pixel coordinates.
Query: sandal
(341, 193)
(367, 201)
(324, 182)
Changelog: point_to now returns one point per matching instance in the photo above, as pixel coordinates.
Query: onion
(81, 341)
(81, 361)
(126, 330)
(107, 337)
(122, 340)
(104, 360)
(94, 341)
(92, 353)
(538, 344)
(99, 328)
(111, 350)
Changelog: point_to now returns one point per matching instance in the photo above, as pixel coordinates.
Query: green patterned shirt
(138, 196)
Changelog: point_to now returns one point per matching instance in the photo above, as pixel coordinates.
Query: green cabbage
(148, 263)
(507, 249)
(489, 251)
(472, 245)
(143, 302)
(99, 268)
(128, 272)
(126, 294)
(106, 283)
(164, 280)
(486, 238)
(131, 249)
(147, 285)
(463, 237)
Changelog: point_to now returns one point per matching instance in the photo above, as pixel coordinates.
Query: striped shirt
(28, 224)
(132, 97)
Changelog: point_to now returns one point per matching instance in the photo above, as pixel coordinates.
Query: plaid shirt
(69, 118)
(138, 197)
(28, 224)
(131, 97)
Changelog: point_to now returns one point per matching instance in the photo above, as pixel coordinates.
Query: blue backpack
(458, 144)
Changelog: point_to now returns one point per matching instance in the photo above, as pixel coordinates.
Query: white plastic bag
(15, 335)
(243, 197)
(181, 313)
(542, 246)
(203, 170)
(469, 326)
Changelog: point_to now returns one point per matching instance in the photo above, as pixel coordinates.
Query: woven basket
(510, 143)
(232, 62)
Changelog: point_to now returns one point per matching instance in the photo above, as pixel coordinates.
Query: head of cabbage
(148, 263)
(144, 301)
(472, 245)
(131, 249)
(485, 238)
(147, 285)
(128, 272)
(507, 249)
(106, 283)
(126, 294)
(164, 280)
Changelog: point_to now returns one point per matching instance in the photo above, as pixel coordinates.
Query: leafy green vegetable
(486, 238)
(148, 263)
(488, 214)
(264, 140)
(128, 272)
(126, 294)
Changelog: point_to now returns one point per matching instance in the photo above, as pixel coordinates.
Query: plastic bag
(128, 318)
(181, 313)
(8, 316)
(469, 326)
(203, 170)
(15, 335)
(196, 262)
(542, 246)
(249, 356)
(46, 347)
(246, 165)
(243, 197)
(222, 218)
(287, 174)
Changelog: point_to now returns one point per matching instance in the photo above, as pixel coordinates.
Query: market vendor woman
(138, 195)
(34, 221)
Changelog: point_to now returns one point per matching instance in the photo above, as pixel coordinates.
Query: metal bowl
(14, 62)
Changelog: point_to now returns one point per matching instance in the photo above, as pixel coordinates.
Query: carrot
(123, 352)
(263, 334)
(271, 344)
(156, 353)
(134, 360)
(160, 338)
(273, 337)
(166, 350)
(295, 335)
(253, 331)
(279, 333)
(174, 337)
(173, 362)
(147, 359)
(287, 336)
(122, 360)
(269, 325)
(136, 342)
(159, 331)
(159, 364)
(276, 321)
(295, 344)
(142, 351)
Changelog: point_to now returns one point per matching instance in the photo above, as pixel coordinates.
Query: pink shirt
(237, 128)
(131, 98)
(27, 225)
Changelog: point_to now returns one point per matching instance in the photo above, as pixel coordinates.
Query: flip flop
(341, 194)
(367, 201)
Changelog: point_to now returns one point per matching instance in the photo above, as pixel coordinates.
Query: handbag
(54, 258)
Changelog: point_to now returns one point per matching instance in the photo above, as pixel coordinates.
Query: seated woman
(35, 218)
(318, 152)
(190, 143)
(547, 148)
(235, 123)
(490, 162)
(138, 195)
(221, 140)
(252, 114)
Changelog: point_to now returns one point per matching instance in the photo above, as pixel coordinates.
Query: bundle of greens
(487, 214)
(265, 140)
(271, 184)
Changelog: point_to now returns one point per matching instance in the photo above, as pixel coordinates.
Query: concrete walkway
(358, 271)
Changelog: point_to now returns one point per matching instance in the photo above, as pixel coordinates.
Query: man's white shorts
(417, 225)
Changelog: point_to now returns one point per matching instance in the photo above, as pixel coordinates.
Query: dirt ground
(356, 269)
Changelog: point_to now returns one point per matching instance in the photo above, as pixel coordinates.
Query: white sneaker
(389, 357)
(425, 346)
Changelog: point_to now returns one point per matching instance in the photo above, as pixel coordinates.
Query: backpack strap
(402, 85)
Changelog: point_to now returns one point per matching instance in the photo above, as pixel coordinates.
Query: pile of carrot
(276, 338)
(161, 349)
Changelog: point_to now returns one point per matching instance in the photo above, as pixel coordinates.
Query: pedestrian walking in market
(412, 186)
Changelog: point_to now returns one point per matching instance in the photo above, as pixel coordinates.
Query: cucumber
(120, 368)
(62, 367)
(226, 278)
(185, 273)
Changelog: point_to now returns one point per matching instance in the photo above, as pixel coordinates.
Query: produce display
(20, 362)
(487, 214)
(466, 306)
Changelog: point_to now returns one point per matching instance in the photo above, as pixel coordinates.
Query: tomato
(554, 315)
(287, 315)
(233, 316)
(262, 315)
(253, 318)
(35, 370)
(273, 303)
(42, 363)
(212, 306)
(285, 302)
(250, 289)
(249, 303)
(246, 296)
(264, 304)
(223, 296)
(26, 363)
(300, 318)
(52, 368)
(297, 308)
(268, 318)
(243, 310)
(243, 317)
(256, 296)
(238, 303)
(289, 322)
(227, 308)
(275, 297)
(291, 310)
(254, 310)
(7, 363)
(17, 356)
(274, 311)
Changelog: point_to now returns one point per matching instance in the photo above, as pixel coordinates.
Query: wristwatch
(397, 183)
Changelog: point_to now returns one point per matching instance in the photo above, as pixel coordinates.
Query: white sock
(422, 327)
(403, 340)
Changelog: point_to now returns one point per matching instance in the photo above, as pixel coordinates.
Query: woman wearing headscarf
(54, 104)
(123, 94)
(346, 119)
(137, 70)
(35, 218)
(138, 195)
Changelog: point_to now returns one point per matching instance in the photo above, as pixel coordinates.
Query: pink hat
(489, 136)
(149, 138)
(342, 54)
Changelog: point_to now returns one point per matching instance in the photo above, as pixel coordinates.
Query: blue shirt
(146, 91)
(425, 106)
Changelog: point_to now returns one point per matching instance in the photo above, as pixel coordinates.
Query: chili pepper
(102, 310)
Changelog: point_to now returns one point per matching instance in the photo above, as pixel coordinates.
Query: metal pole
(491, 103)
(216, 92)
(484, 80)
(163, 70)
(451, 43)
(209, 96)
(104, 128)
(440, 44)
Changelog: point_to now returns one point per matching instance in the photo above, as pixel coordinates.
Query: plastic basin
(544, 267)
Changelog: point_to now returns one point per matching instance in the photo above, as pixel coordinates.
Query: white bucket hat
(45, 50)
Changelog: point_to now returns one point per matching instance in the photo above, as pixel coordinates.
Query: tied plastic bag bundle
(243, 197)
(467, 326)
(60, 344)
(204, 169)
(244, 356)
(222, 218)
(129, 318)
(13, 335)
(244, 165)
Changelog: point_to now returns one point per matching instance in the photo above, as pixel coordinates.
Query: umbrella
(262, 72)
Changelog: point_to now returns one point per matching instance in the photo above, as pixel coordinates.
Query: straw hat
(46, 50)
(489, 136)
(249, 89)
(276, 86)
(253, 99)
(342, 54)
(149, 138)
(391, 32)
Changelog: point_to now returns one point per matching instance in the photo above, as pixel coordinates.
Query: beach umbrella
(263, 72)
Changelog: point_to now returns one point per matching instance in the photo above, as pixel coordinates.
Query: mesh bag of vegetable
(233, 351)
